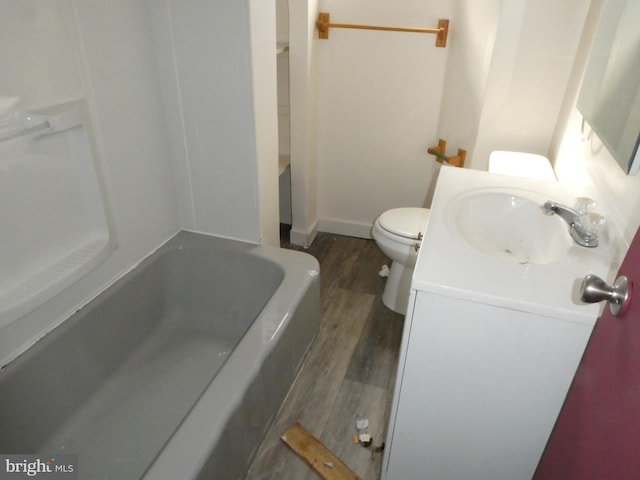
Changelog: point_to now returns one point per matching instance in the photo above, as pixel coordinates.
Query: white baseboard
(303, 238)
(341, 227)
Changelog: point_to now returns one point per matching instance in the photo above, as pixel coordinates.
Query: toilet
(398, 232)
(520, 164)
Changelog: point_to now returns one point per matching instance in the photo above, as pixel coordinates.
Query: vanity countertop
(449, 265)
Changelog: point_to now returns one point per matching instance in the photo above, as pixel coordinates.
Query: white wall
(473, 34)
(121, 71)
(115, 55)
(535, 46)
(54, 224)
(303, 116)
(262, 27)
(218, 72)
(379, 96)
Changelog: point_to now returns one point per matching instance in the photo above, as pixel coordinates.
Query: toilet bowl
(398, 233)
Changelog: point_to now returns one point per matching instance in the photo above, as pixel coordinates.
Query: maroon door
(597, 435)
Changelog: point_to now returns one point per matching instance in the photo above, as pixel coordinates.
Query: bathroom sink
(509, 226)
(488, 241)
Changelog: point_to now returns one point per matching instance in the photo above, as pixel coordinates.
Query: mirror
(609, 98)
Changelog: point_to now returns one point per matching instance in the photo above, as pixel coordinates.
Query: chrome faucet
(579, 224)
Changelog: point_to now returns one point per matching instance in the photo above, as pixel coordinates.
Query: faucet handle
(584, 204)
(589, 222)
(592, 223)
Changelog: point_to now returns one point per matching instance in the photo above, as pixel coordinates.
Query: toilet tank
(520, 164)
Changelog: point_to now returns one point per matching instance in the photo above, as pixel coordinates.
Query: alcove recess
(55, 225)
(284, 135)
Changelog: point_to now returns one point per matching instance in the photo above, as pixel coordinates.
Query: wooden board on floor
(321, 459)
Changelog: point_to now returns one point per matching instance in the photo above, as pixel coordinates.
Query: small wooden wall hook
(440, 153)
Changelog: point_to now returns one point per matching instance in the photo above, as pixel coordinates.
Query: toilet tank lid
(520, 164)
(408, 222)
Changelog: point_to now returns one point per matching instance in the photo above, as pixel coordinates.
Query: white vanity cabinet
(493, 334)
(479, 389)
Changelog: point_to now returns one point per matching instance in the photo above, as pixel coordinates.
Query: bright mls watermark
(50, 467)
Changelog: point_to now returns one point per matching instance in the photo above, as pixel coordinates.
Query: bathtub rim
(187, 450)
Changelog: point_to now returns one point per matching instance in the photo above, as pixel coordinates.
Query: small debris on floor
(365, 439)
(384, 271)
(362, 423)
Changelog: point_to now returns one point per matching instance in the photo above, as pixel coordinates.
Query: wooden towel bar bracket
(439, 152)
(441, 32)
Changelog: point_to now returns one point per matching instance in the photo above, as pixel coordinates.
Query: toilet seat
(407, 222)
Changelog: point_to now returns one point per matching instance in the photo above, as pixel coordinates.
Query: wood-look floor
(350, 368)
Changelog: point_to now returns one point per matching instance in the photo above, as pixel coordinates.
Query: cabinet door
(597, 435)
(480, 390)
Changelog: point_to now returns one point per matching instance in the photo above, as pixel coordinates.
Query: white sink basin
(509, 227)
(488, 241)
